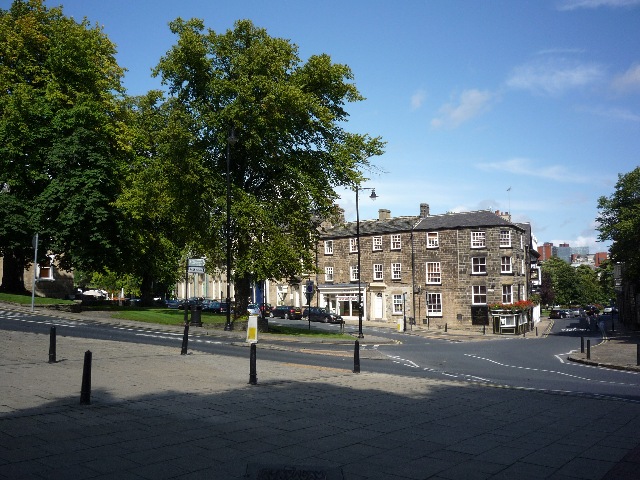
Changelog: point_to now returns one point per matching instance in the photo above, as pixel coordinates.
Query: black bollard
(581, 344)
(484, 329)
(185, 339)
(52, 345)
(253, 375)
(588, 349)
(356, 357)
(638, 355)
(445, 327)
(85, 393)
(613, 325)
(536, 331)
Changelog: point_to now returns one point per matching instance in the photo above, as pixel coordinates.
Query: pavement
(156, 414)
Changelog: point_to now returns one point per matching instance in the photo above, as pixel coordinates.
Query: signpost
(308, 291)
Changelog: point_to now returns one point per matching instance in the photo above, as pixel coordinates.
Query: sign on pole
(195, 269)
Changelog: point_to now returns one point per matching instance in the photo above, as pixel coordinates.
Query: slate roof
(447, 221)
(453, 221)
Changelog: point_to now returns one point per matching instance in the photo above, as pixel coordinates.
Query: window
(505, 238)
(396, 269)
(505, 265)
(397, 304)
(507, 294)
(45, 269)
(354, 273)
(353, 245)
(377, 244)
(328, 247)
(328, 274)
(434, 303)
(479, 295)
(377, 271)
(433, 272)
(395, 242)
(478, 239)
(479, 265)
(432, 240)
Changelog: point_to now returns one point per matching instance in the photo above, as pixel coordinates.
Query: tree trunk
(146, 291)
(243, 293)
(12, 275)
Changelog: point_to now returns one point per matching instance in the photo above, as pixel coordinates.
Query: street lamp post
(230, 141)
(373, 196)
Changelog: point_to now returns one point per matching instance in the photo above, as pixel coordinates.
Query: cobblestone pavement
(156, 414)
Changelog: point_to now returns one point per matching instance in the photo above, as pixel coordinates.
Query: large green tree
(619, 222)
(563, 281)
(59, 150)
(292, 150)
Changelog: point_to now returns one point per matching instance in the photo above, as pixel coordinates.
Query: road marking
(548, 371)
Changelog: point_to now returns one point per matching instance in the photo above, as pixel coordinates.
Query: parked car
(610, 310)
(213, 306)
(253, 309)
(558, 313)
(265, 309)
(172, 303)
(592, 310)
(319, 314)
(189, 303)
(287, 312)
(576, 312)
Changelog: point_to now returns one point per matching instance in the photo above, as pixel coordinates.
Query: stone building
(436, 269)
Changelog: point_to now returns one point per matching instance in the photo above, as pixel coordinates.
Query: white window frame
(47, 268)
(478, 265)
(353, 271)
(433, 273)
(478, 295)
(478, 239)
(396, 271)
(377, 243)
(398, 304)
(328, 274)
(433, 240)
(506, 266)
(396, 241)
(378, 272)
(434, 304)
(328, 247)
(353, 245)
(505, 238)
(507, 294)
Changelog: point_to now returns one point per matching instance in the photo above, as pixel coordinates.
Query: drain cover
(290, 472)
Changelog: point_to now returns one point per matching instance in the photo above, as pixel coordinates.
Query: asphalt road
(516, 362)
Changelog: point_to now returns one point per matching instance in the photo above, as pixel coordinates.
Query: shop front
(342, 299)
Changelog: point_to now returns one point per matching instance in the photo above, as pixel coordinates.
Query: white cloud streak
(526, 167)
(554, 76)
(417, 99)
(628, 81)
(568, 5)
(471, 103)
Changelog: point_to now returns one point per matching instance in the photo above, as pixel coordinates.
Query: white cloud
(613, 113)
(576, 4)
(628, 81)
(417, 99)
(470, 104)
(554, 76)
(523, 166)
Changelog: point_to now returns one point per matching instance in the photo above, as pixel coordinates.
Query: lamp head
(373, 195)
(232, 139)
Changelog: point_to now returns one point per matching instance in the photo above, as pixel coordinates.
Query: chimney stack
(424, 210)
(384, 214)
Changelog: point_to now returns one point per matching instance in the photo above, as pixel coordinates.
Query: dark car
(287, 312)
(213, 306)
(592, 310)
(558, 313)
(265, 309)
(319, 314)
(172, 303)
(197, 301)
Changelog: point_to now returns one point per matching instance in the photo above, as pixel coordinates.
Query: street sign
(196, 262)
(195, 269)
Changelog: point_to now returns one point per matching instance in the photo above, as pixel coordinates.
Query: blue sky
(473, 97)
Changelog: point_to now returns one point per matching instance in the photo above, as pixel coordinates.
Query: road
(509, 361)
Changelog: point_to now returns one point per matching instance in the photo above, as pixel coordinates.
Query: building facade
(434, 269)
